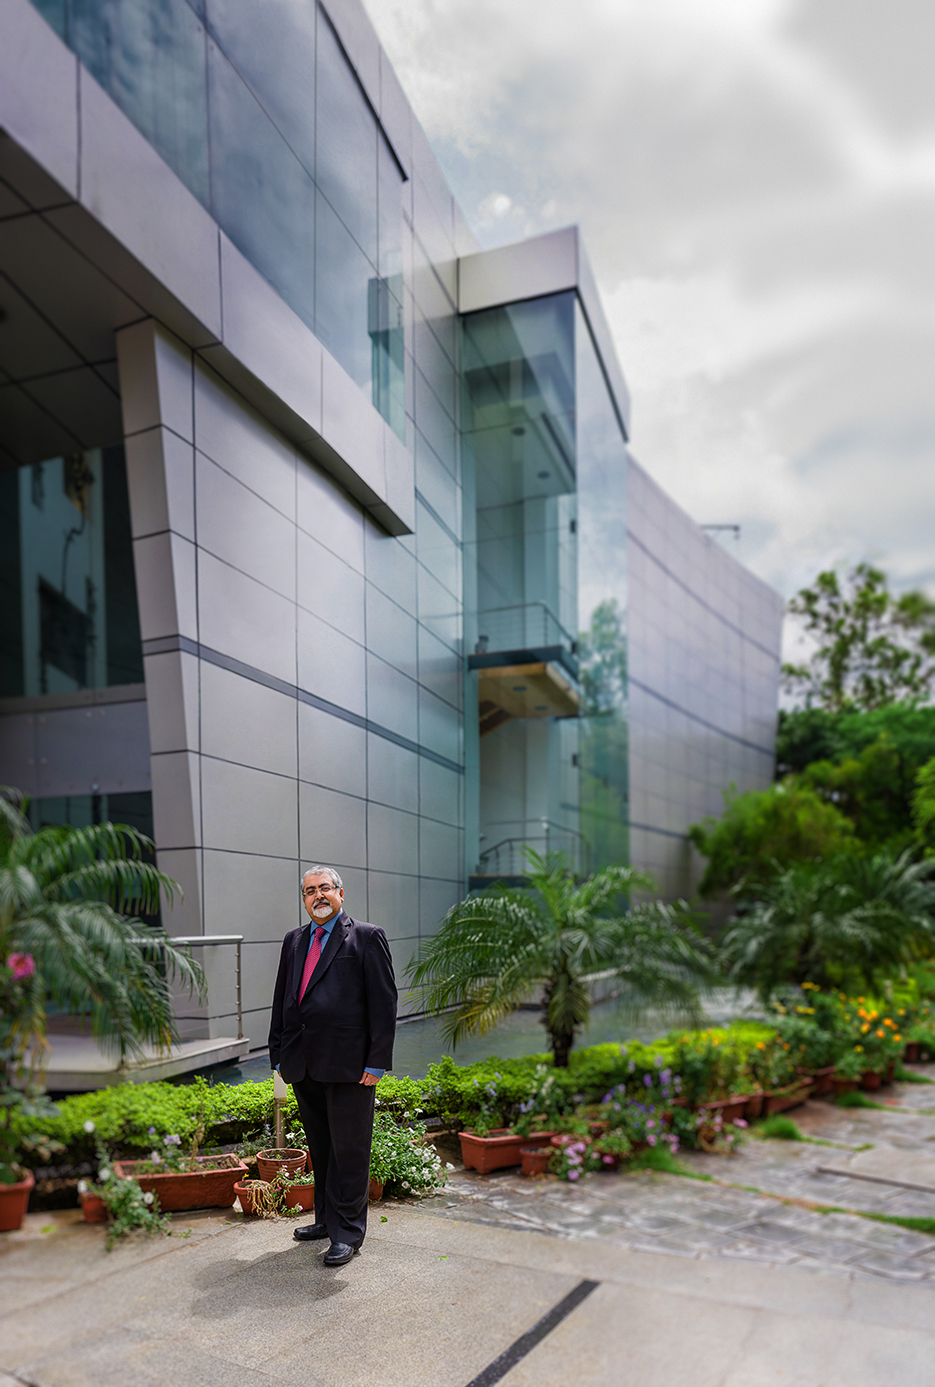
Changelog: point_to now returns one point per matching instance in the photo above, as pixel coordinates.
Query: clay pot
(300, 1197)
(211, 1186)
(14, 1200)
(753, 1106)
(870, 1080)
(535, 1159)
(890, 1072)
(842, 1086)
(911, 1052)
(270, 1163)
(502, 1148)
(376, 1191)
(784, 1098)
(93, 1209)
(244, 1192)
(729, 1108)
(562, 1139)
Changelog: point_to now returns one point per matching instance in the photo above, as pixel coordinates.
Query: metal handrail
(193, 939)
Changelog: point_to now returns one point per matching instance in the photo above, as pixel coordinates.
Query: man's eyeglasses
(314, 890)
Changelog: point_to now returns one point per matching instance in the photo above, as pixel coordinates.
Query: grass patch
(779, 1127)
(909, 1076)
(915, 1225)
(658, 1159)
(856, 1099)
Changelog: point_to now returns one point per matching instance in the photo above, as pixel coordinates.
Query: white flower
(103, 1173)
(148, 1197)
(449, 1166)
(406, 1185)
(82, 1186)
(89, 1126)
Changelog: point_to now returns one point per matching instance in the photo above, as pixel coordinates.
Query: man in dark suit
(331, 1037)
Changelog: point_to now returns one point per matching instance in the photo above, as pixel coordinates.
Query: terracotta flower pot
(870, 1080)
(211, 1186)
(244, 1192)
(562, 1139)
(501, 1148)
(911, 1052)
(300, 1197)
(270, 1163)
(842, 1086)
(782, 1099)
(14, 1200)
(376, 1191)
(753, 1106)
(822, 1079)
(729, 1108)
(535, 1159)
(890, 1072)
(92, 1207)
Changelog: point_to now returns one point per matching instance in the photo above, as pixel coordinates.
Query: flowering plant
(575, 1158)
(128, 1207)
(402, 1158)
(22, 1097)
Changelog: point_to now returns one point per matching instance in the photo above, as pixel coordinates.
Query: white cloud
(755, 180)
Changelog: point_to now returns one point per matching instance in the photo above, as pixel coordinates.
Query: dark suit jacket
(347, 1020)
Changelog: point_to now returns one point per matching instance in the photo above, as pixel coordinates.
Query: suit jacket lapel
(335, 939)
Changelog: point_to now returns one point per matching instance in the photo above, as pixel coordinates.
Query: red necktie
(311, 958)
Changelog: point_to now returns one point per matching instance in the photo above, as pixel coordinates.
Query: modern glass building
(320, 539)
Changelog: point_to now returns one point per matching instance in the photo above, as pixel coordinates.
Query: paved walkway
(673, 1281)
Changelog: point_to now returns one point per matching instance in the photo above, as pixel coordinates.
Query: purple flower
(651, 1140)
(573, 1174)
(151, 1131)
(648, 1080)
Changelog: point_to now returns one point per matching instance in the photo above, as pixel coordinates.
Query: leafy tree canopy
(923, 807)
(602, 658)
(816, 734)
(763, 830)
(873, 649)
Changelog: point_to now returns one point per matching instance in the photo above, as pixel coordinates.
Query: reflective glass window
(346, 167)
(280, 69)
(261, 194)
(69, 611)
(343, 277)
(602, 598)
(150, 56)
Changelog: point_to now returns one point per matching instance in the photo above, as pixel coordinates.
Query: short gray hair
(321, 871)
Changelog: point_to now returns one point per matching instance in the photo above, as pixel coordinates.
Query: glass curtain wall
(545, 461)
(602, 609)
(256, 108)
(69, 611)
(519, 456)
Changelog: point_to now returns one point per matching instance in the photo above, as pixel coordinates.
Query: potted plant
(186, 1182)
(847, 1072)
(91, 1199)
(298, 1189)
(22, 1096)
(274, 1159)
(402, 1159)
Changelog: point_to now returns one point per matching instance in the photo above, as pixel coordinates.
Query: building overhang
(96, 233)
(553, 263)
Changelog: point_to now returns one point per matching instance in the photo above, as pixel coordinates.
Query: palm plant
(848, 920)
(65, 894)
(558, 934)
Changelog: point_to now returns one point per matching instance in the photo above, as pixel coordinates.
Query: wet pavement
(752, 1206)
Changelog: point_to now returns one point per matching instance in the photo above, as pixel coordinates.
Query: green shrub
(780, 1127)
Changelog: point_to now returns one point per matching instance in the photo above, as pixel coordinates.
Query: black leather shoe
(339, 1253)
(310, 1233)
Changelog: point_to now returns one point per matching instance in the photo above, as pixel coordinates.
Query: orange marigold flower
(881, 1034)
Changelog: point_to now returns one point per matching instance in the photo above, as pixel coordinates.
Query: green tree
(873, 789)
(815, 734)
(873, 649)
(923, 807)
(603, 736)
(763, 830)
(494, 949)
(849, 921)
(65, 894)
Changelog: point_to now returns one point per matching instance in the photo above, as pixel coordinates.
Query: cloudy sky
(755, 180)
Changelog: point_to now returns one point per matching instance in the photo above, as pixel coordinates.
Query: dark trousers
(338, 1122)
